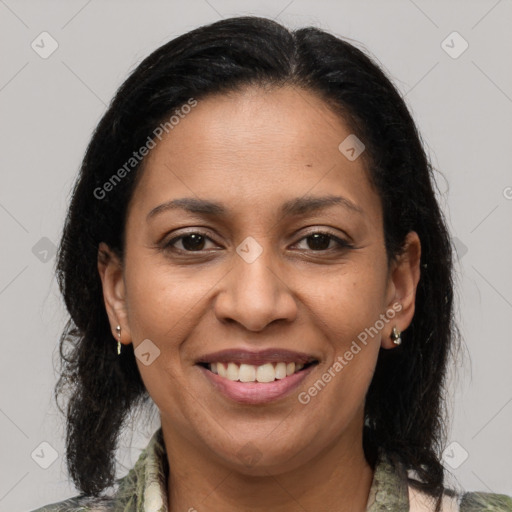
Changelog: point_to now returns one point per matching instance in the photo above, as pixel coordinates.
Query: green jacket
(143, 489)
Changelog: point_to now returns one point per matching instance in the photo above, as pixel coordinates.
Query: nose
(255, 293)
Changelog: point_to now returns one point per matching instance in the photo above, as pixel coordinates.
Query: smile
(260, 377)
(268, 372)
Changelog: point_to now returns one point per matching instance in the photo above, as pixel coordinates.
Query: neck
(338, 479)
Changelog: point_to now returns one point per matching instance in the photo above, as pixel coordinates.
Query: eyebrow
(293, 207)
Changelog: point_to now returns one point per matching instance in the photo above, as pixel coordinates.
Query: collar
(144, 488)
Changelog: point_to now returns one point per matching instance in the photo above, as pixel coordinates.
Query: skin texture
(253, 150)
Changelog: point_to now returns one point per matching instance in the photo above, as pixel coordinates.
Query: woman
(254, 244)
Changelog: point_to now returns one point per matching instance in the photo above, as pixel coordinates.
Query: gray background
(50, 106)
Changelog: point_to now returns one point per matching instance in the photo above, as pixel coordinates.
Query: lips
(256, 377)
(256, 358)
(255, 392)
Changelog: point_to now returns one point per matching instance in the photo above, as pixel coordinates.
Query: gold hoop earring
(118, 331)
(396, 336)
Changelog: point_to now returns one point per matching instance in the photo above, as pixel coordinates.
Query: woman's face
(251, 239)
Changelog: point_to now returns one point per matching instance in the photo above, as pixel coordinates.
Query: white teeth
(247, 373)
(233, 371)
(280, 370)
(267, 372)
(221, 369)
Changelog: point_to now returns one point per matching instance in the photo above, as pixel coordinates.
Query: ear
(111, 274)
(402, 284)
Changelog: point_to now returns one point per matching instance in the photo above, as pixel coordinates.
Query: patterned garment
(144, 489)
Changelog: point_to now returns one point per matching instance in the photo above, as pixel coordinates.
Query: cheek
(347, 306)
(161, 307)
(347, 302)
(151, 306)
(162, 302)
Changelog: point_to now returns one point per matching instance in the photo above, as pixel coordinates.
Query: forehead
(256, 145)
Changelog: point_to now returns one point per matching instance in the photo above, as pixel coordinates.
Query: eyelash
(342, 244)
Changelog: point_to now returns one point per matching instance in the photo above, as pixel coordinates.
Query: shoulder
(466, 502)
(129, 491)
(485, 501)
(80, 504)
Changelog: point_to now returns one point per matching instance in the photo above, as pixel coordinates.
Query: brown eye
(190, 242)
(193, 242)
(320, 241)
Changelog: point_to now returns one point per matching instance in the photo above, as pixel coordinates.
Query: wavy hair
(405, 413)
